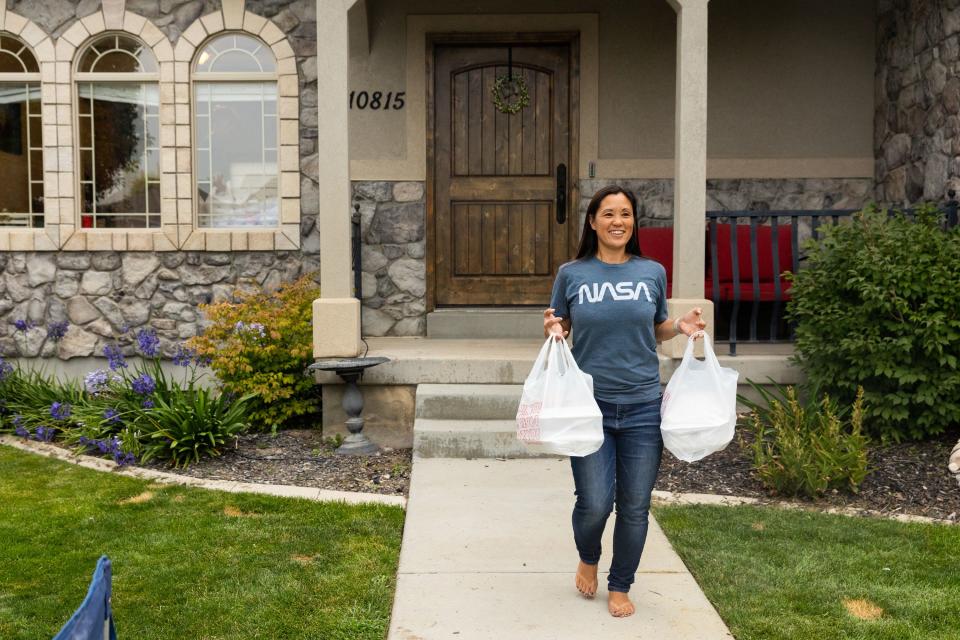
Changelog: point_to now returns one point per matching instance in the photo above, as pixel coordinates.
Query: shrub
(261, 346)
(877, 307)
(187, 424)
(807, 450)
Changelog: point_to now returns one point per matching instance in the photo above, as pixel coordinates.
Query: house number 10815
(377, 100)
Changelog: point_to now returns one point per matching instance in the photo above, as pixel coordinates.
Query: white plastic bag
(699, 409)
(557, 412)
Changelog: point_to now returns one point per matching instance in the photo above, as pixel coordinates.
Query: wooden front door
(498, 239)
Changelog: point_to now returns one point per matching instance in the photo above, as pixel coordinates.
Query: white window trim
(41, 46)
(286, 236)
(61, 229)
(69, 47)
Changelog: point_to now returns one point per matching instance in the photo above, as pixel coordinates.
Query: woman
(616, 300)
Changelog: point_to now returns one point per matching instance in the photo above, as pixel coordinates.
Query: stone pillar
(690, 172)
(336, 314)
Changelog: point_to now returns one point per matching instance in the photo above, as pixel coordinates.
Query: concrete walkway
(488, 553)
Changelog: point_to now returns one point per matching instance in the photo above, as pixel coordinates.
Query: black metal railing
(766, 233)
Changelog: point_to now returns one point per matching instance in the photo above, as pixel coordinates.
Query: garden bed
(909, 478)
(303, 458)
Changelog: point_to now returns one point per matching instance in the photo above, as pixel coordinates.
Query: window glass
(237, 175)
(117, 54)
(118, 140)
(236, 53)
(21, 140)
(119, 154)
(15, 57)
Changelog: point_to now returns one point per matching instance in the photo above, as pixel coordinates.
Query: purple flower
(20, 431)
(204, 361)
(60, 410)
(5, 369)
(148, 342)
(56, 330)
(44, 434)
(183, 356)
(96, 382)
(144, 385)
(23, 325)
(147, 404)
(111, 416)
(114, 357)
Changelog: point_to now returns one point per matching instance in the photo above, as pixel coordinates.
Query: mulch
(302, 457)
(906, 478)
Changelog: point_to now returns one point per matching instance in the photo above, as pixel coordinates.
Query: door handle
(561, 193)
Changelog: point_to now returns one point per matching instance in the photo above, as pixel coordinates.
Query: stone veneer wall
(100, 293)
(917, 120)
(393, 231)
(655, 196)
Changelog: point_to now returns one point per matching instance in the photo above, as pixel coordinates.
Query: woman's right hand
(553, 325)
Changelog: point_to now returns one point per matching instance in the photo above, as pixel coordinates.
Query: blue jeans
(621, 472)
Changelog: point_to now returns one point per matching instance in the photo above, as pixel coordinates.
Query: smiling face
(613, 222)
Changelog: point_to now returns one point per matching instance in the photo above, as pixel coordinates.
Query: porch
(457, 397)
(495, 185)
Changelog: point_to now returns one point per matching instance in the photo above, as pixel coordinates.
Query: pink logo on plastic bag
(528, 422)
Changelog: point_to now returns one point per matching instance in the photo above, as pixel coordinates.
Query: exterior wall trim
(722, 168)
(41, 45)
(287, 236)
(57, 60)
(73, 40)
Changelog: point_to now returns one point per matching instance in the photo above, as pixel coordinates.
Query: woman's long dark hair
(589, 244)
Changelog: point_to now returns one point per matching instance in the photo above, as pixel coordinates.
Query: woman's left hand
(692, 323)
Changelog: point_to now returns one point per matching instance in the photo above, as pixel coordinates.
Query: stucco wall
(917, 122)
(791, 79)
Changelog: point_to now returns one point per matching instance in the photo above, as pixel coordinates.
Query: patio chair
(94, 619)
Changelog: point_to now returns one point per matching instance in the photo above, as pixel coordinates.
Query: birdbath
(350, 371)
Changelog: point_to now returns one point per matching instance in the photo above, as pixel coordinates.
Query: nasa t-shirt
(613, 308)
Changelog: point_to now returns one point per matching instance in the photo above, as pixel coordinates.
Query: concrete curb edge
(668, 497)
(280, 490)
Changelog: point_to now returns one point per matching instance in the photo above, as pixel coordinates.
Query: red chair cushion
(764, 253)
(657, 243)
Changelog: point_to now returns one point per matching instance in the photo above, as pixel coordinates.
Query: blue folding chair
(94, 619)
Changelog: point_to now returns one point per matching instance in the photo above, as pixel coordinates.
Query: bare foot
(619, 604)
(587, 579)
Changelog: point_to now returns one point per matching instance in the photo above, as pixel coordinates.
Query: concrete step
(468, 401)
(479, 323)
(468, 439)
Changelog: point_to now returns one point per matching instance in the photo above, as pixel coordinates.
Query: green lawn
(780, 574)
(189, 563)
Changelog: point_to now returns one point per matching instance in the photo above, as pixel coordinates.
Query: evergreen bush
(878, 307)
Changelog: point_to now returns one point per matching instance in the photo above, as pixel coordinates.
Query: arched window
(21, 136)
(118, 108)
(236, 132)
